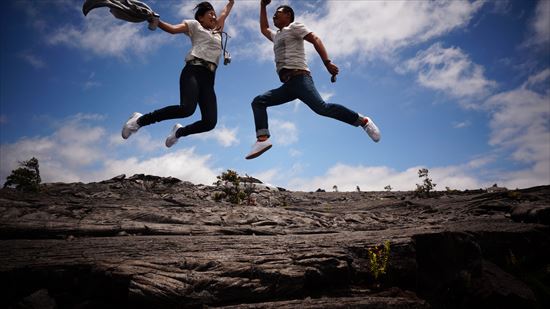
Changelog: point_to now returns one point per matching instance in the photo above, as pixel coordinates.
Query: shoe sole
(259, 153)
(123, 127)
(175, 128)
(377, 139)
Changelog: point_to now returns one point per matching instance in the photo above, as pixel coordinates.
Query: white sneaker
(172, 138)
(372, 130)
(258, 148)
(131, 126)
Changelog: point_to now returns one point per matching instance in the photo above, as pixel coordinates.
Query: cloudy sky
(459, 87)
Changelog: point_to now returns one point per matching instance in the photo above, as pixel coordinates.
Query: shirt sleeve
(192, 25)
(299, 30)
(272, 33)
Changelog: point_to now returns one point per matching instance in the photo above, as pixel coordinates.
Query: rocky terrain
(152, 242)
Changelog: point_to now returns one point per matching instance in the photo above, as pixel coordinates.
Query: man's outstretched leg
(260, 104)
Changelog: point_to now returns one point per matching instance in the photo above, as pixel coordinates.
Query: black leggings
(196, 87)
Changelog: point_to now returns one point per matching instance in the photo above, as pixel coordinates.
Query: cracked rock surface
(152, 242)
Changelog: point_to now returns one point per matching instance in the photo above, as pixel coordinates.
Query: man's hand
(266, 2)
(332, 68)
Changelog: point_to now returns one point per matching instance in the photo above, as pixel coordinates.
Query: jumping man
(290, 60)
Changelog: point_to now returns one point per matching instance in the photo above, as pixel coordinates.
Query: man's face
(281, 18)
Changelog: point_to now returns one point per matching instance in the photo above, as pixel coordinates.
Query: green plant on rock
(26, 177)
(426, 186)
(515, 194)
(233, 190)
(378, 259)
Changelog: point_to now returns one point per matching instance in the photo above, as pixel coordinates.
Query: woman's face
(209, 20)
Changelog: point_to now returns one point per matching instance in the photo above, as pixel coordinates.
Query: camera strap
(224, 44)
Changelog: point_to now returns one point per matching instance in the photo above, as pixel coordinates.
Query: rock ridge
(158, 242)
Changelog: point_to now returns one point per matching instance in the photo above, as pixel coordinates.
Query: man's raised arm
(264, 24)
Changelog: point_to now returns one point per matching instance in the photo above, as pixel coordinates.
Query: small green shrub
(378, 259)
(515, 195)
(233, 191)
(426, 186)
(26, 177)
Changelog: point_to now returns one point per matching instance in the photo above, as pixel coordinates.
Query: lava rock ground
(153, 242)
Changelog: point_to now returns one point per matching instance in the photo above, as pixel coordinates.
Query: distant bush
(26, 177)
(233, 191)
(426, 186)
(388, 188)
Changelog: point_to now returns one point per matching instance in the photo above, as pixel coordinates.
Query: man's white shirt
(288, 45)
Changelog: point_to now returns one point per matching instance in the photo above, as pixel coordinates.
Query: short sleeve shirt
(206, 44)
(288, 45)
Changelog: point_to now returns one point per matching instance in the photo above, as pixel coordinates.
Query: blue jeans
(299, 87)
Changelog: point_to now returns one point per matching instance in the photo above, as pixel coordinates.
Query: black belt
(287, 74)
(201, 62)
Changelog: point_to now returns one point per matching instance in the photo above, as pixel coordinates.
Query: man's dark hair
(287, 9)
(202, 8)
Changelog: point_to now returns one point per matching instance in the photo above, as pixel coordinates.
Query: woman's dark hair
(202, 8)
(287, 9)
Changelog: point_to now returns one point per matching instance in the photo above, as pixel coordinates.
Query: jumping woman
(197, 77)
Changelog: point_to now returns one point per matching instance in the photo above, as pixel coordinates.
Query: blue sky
(459, 87)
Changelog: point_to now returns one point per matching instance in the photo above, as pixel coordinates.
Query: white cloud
(375, 178)
(104, 35)
(185, 10)
(284, 132)
(182, 164)
(326, 95)
(34, 18)
(520, 124)
(520, 120)
(541, 25)
(501, 6)
(373, 29)
(461, 124)
(379, 28)
(91, 82)
(72, 146)
(294, 152)
(79, 150)
(268, 176)
(224, 136)
(32, 59)
(538, 174)
(538, 79)
(449, 70)
(143, 141)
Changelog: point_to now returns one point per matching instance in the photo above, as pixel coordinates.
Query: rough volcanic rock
(152, 242)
